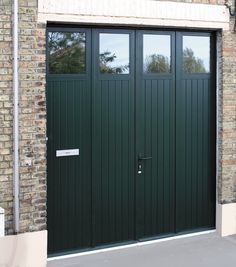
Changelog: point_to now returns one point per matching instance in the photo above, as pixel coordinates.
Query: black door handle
(143, 158)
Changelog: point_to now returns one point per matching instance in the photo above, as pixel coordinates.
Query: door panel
(195, 134)
(69, 178)
(113, 137)
(155, 133)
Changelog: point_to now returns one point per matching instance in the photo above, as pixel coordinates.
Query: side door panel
(113, 136)
(155, 131)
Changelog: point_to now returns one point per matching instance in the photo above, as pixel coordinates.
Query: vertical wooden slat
(113, 123)
(155, 135)
(195, 148)
(69, 177)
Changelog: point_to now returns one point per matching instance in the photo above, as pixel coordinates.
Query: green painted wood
(69, 178)
(155, 129)
(195, 146)
(113, 151)
(98, 198)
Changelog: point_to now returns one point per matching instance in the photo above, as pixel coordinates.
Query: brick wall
(227, 131)
(32, 117)
(6, 111)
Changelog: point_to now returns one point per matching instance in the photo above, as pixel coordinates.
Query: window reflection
(196, 54)
(156, 53)
(114, 53)
(66, 52)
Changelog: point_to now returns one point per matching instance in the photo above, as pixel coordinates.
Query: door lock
(139, 168)
(140, 159)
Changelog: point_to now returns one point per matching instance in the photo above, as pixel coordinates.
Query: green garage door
(131, 135)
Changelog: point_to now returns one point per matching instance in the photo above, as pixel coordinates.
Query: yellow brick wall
(32, 118)
(6, 163)
(227, 118)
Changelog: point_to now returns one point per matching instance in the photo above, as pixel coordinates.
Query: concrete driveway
(198, 251)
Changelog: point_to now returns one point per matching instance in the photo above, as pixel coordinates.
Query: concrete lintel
(133, 12)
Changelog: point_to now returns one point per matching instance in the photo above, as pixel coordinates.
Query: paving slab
(198, 251)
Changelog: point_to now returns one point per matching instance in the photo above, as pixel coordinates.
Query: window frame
(87, 51)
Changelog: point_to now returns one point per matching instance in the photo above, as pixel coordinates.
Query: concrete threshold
(208, 249)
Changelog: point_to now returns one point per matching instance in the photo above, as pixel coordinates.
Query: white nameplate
(67, 152)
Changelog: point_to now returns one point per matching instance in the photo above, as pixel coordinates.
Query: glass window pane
(67, 52)
(156, 53)
(114, 53)
(196, 54)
